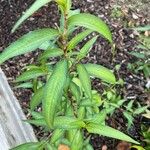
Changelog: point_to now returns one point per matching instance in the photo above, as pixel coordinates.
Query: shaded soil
(101, 53)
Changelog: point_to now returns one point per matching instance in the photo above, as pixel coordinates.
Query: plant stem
(64, 37)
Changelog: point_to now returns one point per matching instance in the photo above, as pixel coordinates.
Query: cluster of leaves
(113, 101)
(146, 135)
(69, 104)
(143, 63)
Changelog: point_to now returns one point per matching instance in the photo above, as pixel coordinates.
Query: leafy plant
(146, 135)
(113, 101)
(143, 63)
(131, 112)
(63, 89)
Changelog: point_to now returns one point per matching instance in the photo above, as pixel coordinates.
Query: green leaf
(77, 39)
(140, 110)
(109, 132)
(29, 146)
(145, 28)
(35, 6)
(53, 91)
(37, 122)
(89, 147)
(27, 85)
(73, 12)
(57, 134)
(140, 46)
(85, 80)
(91, 22)
(81, 112)
(47, 44)
(28, 43)
(68, 5)
(37, 98)
(129, 118)
(130, 105)
(75, 90)
(70, 134)
(68, 123)
(87, 103)
(30, 74)
(51, 53)
(61, 2)
(138, 55)
(61, 122)
(86, 48)
(138, 147)
(77, 143)
(36, 115)
(49, 147)
(97, 118)
(101, 72)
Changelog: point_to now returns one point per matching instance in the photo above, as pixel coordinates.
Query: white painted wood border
(13, 131)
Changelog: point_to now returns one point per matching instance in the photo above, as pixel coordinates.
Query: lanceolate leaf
(53, 91)
(77, 143)
(57, 134)
(86, 48)
(27, 85)
(144, 28)
(30, 74)
(51, 53)
(62, 122)
(75, 90)
(29, 146)
(100, 72)
(28, 43)
(140, 110)
(109, 132)
(77, 39)
(91, 22)
(37, 98)
(68, 123)
(35, 6)
(85, 80)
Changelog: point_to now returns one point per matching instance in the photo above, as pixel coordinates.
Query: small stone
(135, 16)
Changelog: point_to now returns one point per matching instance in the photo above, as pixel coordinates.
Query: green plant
(146, 135)
(112, 101)
(131, 111)
(143, 63)
(63, 89)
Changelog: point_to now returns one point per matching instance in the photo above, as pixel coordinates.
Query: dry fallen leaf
(63, 147)
(123, 146)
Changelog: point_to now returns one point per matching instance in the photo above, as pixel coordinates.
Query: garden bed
(124, 37)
